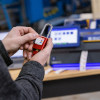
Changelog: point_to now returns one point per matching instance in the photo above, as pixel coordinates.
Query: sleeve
(4, 54)
(8, 88)
(30, 80)
(28, 85)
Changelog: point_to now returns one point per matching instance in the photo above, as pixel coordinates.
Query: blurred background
(84, 15)
(36, 13)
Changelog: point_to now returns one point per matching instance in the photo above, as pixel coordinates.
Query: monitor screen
(65, 37)
(16, 55)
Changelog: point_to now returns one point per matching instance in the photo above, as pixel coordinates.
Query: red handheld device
(41, 41)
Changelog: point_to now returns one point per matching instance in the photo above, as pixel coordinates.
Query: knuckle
(30, 28)
(30, 36)
(14, 28)
(17, 27)
(19, 41)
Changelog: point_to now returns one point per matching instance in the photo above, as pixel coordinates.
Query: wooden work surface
(53, 76)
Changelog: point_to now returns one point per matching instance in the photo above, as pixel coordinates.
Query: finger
(30, 47)
(25, 53)
(49, 45)
(26, 29)
(29, 54)
(26, 46)
(26, 38)
(21, 32)
(31, 42)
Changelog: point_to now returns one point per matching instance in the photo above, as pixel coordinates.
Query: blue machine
(86, 32)
(98, 23)
(53, 12)
(43, 9)
(65, 37)
(46, 3)
(37, 10)
(68, 58)
(82, 24)
(34, 10)
(71, 5)
(8, 1)
(13, 4)
(90, 35)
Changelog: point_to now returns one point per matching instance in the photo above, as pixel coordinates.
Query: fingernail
(37, 34)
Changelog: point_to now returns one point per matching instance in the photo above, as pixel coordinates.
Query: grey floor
(87, 96)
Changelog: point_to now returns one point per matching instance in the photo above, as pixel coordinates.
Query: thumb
(28, 37)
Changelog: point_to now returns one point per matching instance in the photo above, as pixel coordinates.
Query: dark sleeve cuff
(4, 54)
(33, 68)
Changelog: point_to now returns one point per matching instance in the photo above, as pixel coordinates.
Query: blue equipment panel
(65, 37)
(84, 32)
(91, 37)
(75, 66)
(34, 10)
(82, 24)
(39, 9)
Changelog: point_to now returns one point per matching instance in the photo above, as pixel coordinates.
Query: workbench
(68, 82)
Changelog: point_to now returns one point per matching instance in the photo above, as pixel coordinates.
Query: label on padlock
(39, 41)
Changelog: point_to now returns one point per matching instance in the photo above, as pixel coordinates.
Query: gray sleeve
(30, 80)
(4, 54)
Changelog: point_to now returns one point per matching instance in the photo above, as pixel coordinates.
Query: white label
(59, 71)
(83, 60)
(93, 25)
(39, 41)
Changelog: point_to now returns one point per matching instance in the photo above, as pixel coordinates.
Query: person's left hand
(42, 56)
(19, 38)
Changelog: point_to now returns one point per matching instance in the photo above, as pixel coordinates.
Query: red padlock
(41, 41)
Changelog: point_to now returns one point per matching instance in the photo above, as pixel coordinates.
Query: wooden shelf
(53, 76)
(70, 74)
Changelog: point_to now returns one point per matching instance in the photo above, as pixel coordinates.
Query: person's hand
(41, 56)
(19, 38)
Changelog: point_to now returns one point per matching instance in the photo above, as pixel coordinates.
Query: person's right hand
(41, 56)
(19, 38)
